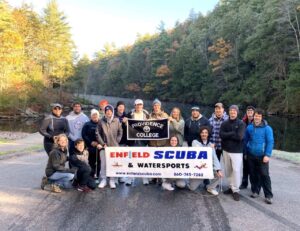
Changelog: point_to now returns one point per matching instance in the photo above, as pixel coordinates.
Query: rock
(30, 113)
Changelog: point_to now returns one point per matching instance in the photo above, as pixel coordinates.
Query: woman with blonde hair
(56, 172)
(176, 125)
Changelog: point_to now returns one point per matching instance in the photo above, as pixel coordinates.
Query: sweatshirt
(76, 122)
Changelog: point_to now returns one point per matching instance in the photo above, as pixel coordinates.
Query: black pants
(246, 173)
(48, 145)
(259, 175)
(219, 153)
(94, 161)
(83, 175)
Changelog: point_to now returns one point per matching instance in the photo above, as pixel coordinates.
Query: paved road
(23, 206)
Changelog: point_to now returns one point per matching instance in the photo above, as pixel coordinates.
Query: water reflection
(286, 130)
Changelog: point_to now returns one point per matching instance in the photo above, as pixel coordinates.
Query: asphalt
(24, 206)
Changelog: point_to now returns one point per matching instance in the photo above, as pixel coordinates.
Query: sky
(96, 22)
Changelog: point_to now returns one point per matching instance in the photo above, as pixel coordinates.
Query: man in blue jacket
(259, 142)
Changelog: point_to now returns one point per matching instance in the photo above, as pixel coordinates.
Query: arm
(98, 135)
(55, 159)
(84, 134)
(67, 129)
(120, 132)
(178, 126)
(44, 126)
(186, 131)
(239, 133)
(224, 134)
(269, 141)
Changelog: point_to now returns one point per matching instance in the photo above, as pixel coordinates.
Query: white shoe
(213, 191)
(122, 180)
(145, 181)
(128, 181)
(103, 183)
(167, 186)
(112, 183)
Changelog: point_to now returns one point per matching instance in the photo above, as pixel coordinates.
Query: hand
(99, 146)
(124, 120)
(170, 119)
(213, 145)
(94, 144)
(266, 159)
(219, 173)
(105, 146)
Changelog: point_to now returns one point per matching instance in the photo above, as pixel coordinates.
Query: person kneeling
(56, 172)
(204, 142)
(79, 160)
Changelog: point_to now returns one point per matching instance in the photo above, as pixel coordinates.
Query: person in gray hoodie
(203, 141)
(76, 119)
(109, 133)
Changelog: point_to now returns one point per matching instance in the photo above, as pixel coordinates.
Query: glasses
(57, 108)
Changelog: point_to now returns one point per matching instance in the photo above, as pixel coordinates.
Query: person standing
(109, 133)
(193, 124)
(120, 114)
(259, 142)
(231, 133)
(53, 125)
(176, 125)
(217, 118)
(247, 119)
(90, 139)
(203, 141)
(138, 113)
(76, 120)
(102, 104)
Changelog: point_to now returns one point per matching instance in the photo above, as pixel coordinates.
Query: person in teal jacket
(259, 143)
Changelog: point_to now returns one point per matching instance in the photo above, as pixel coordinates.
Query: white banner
(159, 162)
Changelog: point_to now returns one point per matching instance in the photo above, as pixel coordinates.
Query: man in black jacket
(231, 133)
(90, 139)
(193, 124)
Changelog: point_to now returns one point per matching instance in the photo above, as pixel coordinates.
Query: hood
(200, 116)
(113, 113)
(264, 123)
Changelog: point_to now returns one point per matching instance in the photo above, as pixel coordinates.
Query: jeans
(194, 183)
(259, 175)
(245, 170)
(62, 178)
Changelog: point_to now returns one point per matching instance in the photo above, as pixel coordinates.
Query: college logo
(146, 129)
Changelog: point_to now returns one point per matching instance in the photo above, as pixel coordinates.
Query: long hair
(209, 133)
(176, 139)
(58, 137)
(180, 117)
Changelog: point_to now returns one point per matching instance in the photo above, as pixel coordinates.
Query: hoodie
(192, 128)
(76, 122)
(259, 140)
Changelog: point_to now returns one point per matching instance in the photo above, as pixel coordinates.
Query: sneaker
(243, 186)
(145, 181)
(103, 183)
(213, 191)
(268, 200)
(44, 182)
(228, 191)
(167, 186)
(122, 180)
(128, 181)
(55, 188)
(236, 196)
(112, 184)
(97, 181)
(254, 195)
(83, 188)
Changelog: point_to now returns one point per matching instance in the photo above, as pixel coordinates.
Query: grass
(29, 149)
(291, 156)
(3, 141)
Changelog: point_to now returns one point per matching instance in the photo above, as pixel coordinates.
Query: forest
(242, 52)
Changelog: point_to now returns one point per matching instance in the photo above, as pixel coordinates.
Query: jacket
(215, 160)
(80, 159)
(124, 127)
(109, 132)
(158, 116)
(52, 126)
(259, 140)
(76, 122)
(232, 133)
(176, 128)
(192, 128)
(89, 133)
(215, 123)
(56, 162)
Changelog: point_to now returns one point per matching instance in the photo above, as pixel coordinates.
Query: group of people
(245, 146)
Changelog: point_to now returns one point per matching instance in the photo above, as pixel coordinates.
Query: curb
(19, 154)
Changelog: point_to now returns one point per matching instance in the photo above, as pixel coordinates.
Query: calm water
(286, 130)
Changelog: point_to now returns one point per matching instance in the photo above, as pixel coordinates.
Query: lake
(286, 130)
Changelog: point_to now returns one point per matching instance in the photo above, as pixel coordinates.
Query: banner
(147, 129)
(159, 162)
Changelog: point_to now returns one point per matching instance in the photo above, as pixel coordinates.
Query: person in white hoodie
(203, 141)
(76, 119)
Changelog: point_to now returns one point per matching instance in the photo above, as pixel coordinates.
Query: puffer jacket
(158, 116)
(259, 140)
(56, 162)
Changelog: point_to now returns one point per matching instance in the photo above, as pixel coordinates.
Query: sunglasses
(57, 108)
